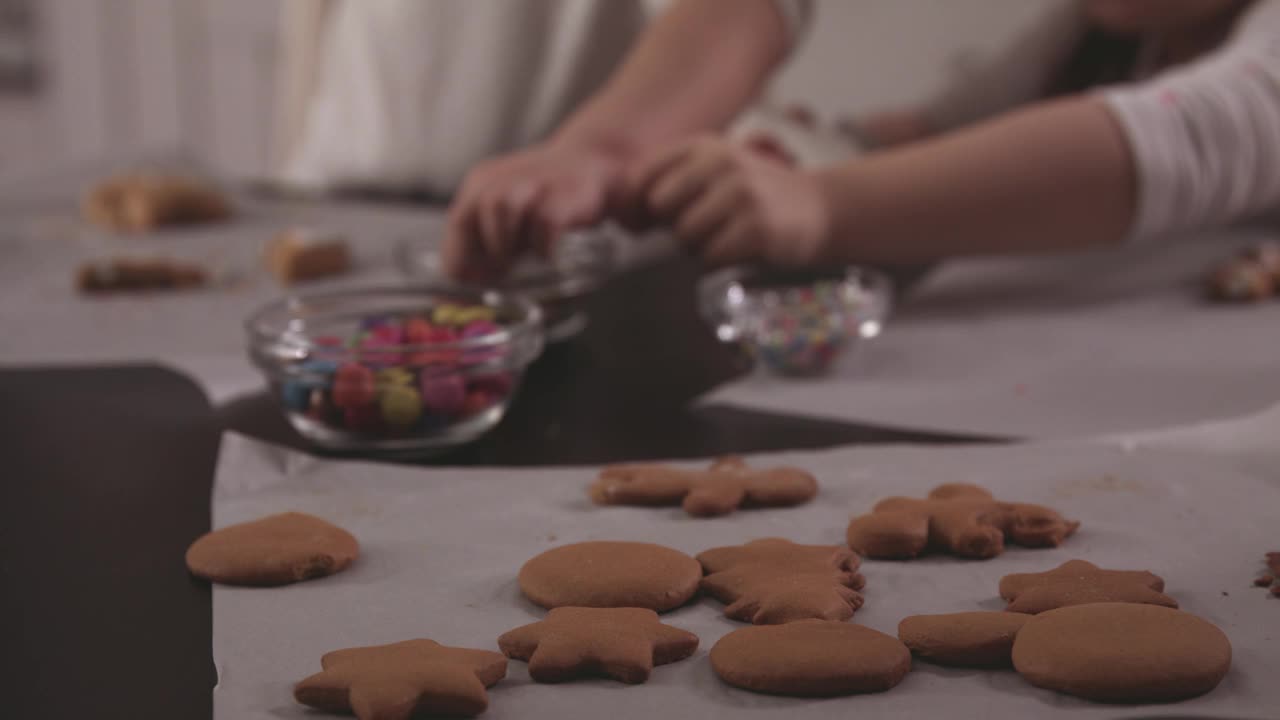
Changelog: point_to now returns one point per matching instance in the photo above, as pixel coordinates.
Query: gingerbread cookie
(144, 202)
(1122, 652)
(620, 643)
(1269, 578)
(727, 485)
(611, 574)
(131, 274)
(960, 519)
(774, 581)
(275, 550)
(967, 639)
(299, 254)
(404, 679)
(1241, 281)
(1077, 582)
(811, 658)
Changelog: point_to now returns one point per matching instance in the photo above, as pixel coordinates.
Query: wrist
(609, 146)
(823, 250)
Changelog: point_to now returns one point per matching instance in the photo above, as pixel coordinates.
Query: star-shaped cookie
(774, 581)
(964, 520)
(724, 487)
(394, 682)
(1077, 582)
(620, 643)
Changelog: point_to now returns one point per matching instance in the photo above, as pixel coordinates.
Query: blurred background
(86, 79)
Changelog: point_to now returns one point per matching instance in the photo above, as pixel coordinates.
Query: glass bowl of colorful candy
(796, 324)
(397, 369)
(580, 263)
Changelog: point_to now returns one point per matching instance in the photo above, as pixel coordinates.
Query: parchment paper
(441, 548)
(1075, 346)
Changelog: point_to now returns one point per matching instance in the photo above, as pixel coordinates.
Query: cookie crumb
(1264, 580)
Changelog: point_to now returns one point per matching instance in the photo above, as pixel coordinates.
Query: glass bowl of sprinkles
(405, 369)
(796, 324)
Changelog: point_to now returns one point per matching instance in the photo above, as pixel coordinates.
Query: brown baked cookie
(275, 550)
(611, 574)
(959, 519)
(1240, 280)
(775, 581)
(135, 274)
(727, 485)
(145, 201)
(300, 254)
(620, 643)
(1077, 582)
(1268, 579)
(404, 679)
(966, 639)
(1122, 652)
(811, 658)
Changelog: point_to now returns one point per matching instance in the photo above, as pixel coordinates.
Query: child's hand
(728, 203)
(522, 203)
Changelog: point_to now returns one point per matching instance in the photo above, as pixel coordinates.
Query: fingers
(564, 207)
(680, 183)
(463, 256)
(731, 244)
(709, 213)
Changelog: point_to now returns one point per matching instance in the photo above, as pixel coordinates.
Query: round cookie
(1122, 652)
(611, 574)
(811, 658)
(275, 550)
(968, 639)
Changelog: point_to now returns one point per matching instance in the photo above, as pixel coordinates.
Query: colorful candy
(398, 375)
(444, 394)
(401, 406)
(353, 386)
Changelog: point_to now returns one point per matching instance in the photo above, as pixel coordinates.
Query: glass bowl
(581, 263)
(796, 324)
(395, 369)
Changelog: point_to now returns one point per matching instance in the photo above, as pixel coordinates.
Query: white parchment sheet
(441, 548)
(1055, 347)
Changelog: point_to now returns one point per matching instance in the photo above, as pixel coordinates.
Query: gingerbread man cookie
(964, 520)
(811, 658)
(727, 485)
(611, 574)
(1077, 582)
(275, 550)
(620, 643)
(397, 681)
(774, 581)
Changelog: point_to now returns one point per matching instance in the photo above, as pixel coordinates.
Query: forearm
(1053, 177)
(693, 71)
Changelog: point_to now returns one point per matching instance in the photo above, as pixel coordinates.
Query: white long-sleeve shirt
(1205, 136)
